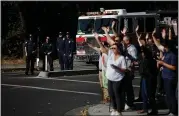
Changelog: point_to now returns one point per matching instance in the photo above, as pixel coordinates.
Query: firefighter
(69, 47)
(60, 45)
(48, 50)
(30, 54)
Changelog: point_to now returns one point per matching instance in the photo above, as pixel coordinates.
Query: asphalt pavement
(34, 96)
(76, 66)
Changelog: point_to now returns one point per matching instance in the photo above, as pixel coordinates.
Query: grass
(12, 61)
(84, 112)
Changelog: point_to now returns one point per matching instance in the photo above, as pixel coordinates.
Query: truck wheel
(97, 66)
(87, 62)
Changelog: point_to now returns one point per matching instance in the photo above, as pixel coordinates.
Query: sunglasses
(113, 48)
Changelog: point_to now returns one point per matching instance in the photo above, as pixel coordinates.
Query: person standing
(48, 50)
(148, 77)
(30, 50)
(130, 53)
(60, 45)
(115, 72)
(169, 64)
(104, 56)
(69, 50)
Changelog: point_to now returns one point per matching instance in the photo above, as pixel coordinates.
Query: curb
(15, 69)
(76, 111)
(67, 73)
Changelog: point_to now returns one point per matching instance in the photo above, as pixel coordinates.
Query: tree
(14, 29)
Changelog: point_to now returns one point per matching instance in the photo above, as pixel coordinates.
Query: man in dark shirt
(60, 45)
(30, 51)
(169, 64)
(69, 50)
(48, 50)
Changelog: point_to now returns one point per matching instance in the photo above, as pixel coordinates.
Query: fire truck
(93, 21)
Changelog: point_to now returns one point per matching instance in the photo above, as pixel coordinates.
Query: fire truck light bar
(93, 13)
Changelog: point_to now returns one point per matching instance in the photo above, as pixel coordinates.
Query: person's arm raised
(113, 30)
(159, 46)
(91, 46)
(104, 50)
(170, 34)
(109, 39)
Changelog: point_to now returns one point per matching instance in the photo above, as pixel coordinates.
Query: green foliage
(14, 28)
(14, 19)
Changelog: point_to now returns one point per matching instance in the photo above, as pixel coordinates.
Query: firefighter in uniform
(30, 51)
(69, 49)
(48, 50)
(60, 45)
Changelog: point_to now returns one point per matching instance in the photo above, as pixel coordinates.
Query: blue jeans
(148, 94)
(170, 90)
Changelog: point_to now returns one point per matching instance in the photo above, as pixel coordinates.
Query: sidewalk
(103, 110)
(76, 66)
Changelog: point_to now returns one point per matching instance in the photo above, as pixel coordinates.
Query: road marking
(136, 86)
(70, 80)
(49, 89)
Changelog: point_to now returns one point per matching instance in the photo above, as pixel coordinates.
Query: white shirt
(111, 73)
(104, 61)
(133, 52)
(100, 62)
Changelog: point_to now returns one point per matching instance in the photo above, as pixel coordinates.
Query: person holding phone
(115, 72)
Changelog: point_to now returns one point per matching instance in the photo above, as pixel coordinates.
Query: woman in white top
(116, 66)
(104, 56)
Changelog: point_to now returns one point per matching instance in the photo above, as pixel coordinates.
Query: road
(31, 96)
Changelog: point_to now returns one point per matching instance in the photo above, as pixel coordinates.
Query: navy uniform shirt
(169, 58)
(69, 46)
(47, 48)
(30, 47)
(60, 44)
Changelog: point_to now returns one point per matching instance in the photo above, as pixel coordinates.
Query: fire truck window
(121, 23)
(130, 25)
(126, 22)
(140, 22)
(150, 24)
(102, 22)
(85, 26)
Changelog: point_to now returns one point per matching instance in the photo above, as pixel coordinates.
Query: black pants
(61, 60)
(30, 60)
(148, 93)
(50, 61)
(170, 90)
(68, 62)
(115, 89)
(71, 63)
(140, 90)
(128, 90)
(160, 86)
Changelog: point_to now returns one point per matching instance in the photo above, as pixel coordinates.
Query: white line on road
(70, 80)
(49, 89)
(135, 85)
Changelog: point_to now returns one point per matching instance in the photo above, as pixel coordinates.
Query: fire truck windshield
(107, 22)
(88, 26)
(85, 26)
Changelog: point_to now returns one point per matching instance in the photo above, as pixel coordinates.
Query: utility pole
(38, 49)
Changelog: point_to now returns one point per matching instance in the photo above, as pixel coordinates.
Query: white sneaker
(171, 114)
(118, 114)
(126, 107)
(113, 113)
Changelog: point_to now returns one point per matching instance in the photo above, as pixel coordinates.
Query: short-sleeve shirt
(133, 52)
(113, 74)
(104, 61)
(100, 62)
(169, 58)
